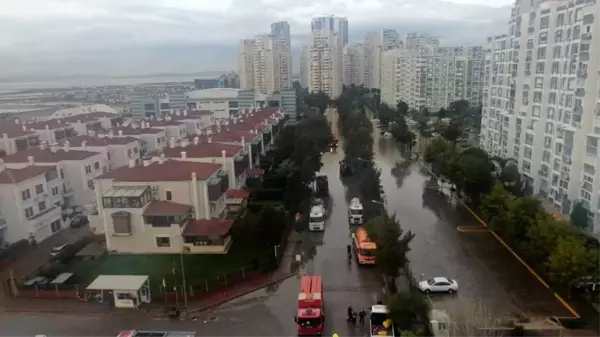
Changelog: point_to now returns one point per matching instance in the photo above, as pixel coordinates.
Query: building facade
(326, 58)
(541, 101)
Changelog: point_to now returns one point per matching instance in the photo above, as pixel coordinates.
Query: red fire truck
(311, 310)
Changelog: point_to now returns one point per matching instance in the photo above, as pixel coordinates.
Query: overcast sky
(116, 37)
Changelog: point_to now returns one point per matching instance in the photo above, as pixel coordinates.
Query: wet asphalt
(488, 275)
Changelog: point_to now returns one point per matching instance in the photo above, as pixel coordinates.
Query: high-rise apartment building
(541, 101)
(304, 65)
(325, 70)
(354, 64)
(342, 24)
(323, 23)
(246, 63)
(375, 43)
(265, 62)
(432, 77)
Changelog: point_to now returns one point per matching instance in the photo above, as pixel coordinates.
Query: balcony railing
(39, 214)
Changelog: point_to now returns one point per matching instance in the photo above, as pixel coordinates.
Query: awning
(118, 282)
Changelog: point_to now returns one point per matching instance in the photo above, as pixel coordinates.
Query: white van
(316, 220)
(355, 212)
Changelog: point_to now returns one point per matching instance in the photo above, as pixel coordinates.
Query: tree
(541, 239)
(452, 133)
(475, 173)
(392, 244)
(408, 310)
(402, 108)
(579, 216)
(442, 113)
(270, 225)
(459, 108)
(496, 202)
(569, 261)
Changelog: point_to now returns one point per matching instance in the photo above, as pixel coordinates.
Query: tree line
(393, 243)
(551, 246)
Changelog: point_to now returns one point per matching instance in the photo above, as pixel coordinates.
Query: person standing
(361, 316)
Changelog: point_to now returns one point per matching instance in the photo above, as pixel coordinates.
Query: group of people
(353, 314)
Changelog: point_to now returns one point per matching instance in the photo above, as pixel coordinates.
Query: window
(551, 113)
(556, 52)
(28, 212)
(541, 53)
(163, 241)
(554, 83)
(62, 175)
(169, 195)
(543, 38)
(90, 184)
(558, 36)
(544, 22)
(552, 98)
(39, 189)
(539, 82)
(42, 206)
(537, 97)
(88, 169)
(560, 20)
(540, 67)
(25, 195)
(54, 190)
(97, 165)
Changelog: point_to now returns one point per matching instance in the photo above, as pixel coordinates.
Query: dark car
(79, 221)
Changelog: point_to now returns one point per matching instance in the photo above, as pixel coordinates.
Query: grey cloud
(137, 36)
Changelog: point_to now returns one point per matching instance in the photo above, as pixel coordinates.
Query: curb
(57, 312)
(220, 302)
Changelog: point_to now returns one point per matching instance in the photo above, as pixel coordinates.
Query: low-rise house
(233, 157)
(153, 139)
(117, 150)
(78, 168)
(30, 202)
(174, 129)
(16, 137)
(93, 122)
(194, 120)
(52, 131)
(164, 207)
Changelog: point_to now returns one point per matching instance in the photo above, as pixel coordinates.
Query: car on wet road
(438, 285)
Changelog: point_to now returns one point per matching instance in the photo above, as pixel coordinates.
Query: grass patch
(198, 268)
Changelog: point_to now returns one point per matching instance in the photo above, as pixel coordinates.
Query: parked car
(438, 285)
(57, 250)
(79, 221)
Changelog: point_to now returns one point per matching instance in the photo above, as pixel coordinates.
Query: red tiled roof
(212, 227)
(11, 176)
(51, 123)
(259, 172)
(166, 208)
(89, 117)
(226, 137)
(155, 123)
(129, 131)
(170, 170)
(204, 150)
(47, 156)
(237, 194)
(14, 131)
(97, 141)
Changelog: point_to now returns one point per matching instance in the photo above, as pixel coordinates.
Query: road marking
(472, 229)
(558, 297)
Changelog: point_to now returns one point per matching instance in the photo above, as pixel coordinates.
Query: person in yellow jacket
(335, 334)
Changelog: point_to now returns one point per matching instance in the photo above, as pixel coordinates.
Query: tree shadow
(437, 201)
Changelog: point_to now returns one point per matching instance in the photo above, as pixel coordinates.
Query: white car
(56, 250)
(438, 285)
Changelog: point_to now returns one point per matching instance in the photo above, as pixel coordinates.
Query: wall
(77, 177)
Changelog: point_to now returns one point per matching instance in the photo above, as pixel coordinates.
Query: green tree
(393, 244)
(402, 108)
(569, 261)
(442, 113)
(408, 310)
(579, 216)
(459, 108)
(541, 239)
(452, 133)
(498, 201)
(271, 224)
(475, 178)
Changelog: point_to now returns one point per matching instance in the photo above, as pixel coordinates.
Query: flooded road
(487, 273)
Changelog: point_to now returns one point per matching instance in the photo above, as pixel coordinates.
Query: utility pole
(185, 299)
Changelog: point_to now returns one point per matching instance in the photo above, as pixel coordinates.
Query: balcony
(42, 213)
(591, 151)
(207, 236)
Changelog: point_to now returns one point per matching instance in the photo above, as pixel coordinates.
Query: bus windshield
(309, 322)
(366, 252)
(316, 219)
(356, 211)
